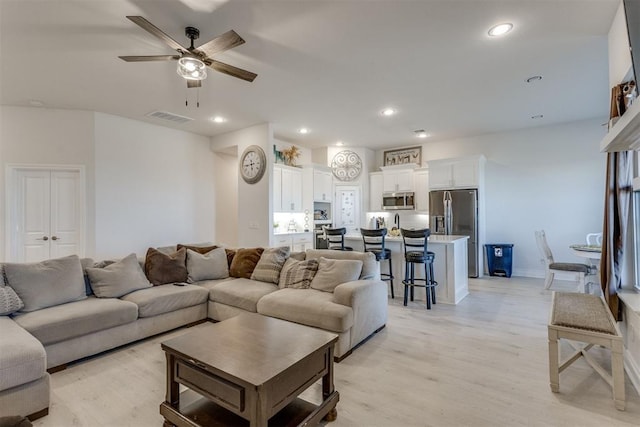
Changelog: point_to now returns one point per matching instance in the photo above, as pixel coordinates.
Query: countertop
(292, 232)
(433, 238)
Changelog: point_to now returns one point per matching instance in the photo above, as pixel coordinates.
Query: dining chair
(373, 241)
(553, 267)
(594, 239)
(335, 238)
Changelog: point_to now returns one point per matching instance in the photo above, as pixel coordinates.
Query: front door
(46, 213)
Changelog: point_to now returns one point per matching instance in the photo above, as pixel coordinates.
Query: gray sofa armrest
(368, 300)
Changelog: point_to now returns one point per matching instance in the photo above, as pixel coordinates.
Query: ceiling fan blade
(231, 70)
(226, 41)
(149, 58)
(146, 25)
(194, 83)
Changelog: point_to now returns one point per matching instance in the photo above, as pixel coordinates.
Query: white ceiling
(328, 65)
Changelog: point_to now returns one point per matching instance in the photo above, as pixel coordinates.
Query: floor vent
(165, 115)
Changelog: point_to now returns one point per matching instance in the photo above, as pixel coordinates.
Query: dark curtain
(618, 197)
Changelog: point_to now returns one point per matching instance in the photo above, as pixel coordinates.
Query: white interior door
(347, 207)
(46, 218)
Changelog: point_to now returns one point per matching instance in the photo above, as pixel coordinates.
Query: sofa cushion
(47, 283)
(241, 293)
(244, 261)
(209, 284)
(10, 302)
(164, 299)
(370, 267)
(22, 358)
(307, 307)
(76, 319)
(207, 266)
(163, 268)
(118, 278)
(199, 249)
(332, 272)
(270, 264)
(298, 274)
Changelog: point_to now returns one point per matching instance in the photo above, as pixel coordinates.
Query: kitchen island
(450, 265)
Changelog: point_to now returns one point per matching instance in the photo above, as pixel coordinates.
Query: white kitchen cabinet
(375, 191)
(421, 188)
(322, 186)
(302, 242)
(297, 242)
(456, 173)
(287, 189)
(395, 180)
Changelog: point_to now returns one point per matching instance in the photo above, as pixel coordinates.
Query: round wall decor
(346, 165)
(253, 163)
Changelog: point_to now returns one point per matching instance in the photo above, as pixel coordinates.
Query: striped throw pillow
(298, 274)
(270, 264)
(10, 302)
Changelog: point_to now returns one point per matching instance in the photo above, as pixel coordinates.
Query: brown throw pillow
(161, 269)
(244, 261)
(230, 254)
(200, 249)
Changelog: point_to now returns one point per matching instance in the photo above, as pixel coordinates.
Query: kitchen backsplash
(407, 219)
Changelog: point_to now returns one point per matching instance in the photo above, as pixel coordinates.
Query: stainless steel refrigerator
(456, 212)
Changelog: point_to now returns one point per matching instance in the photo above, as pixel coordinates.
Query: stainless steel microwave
(398, 201)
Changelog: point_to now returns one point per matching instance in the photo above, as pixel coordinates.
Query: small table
(587, 251)
(249, 368)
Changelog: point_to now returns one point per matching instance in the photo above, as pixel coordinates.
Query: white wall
(549, 178)
(619, 55)
(226, 172)
(154, 187)
(42, 136)
(254, 200)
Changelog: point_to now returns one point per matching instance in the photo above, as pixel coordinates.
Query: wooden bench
(585, 318)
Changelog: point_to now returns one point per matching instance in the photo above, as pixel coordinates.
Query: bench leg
(617, 371)
(554, 357)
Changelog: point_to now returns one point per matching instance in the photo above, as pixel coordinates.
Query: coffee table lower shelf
(196, 411)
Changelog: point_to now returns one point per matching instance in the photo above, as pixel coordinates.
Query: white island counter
(450, 265)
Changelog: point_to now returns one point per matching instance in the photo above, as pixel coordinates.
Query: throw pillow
(298, 274)
(162, 268)
(208, 266)
(231, 253)
(244, 261)
(270, 264)
(118, 278)
(10, 302)
(299, 256)
(47, 283)
(199, 249)
(3, 281)
(332, 272)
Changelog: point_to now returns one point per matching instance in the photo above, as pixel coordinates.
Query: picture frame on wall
(403, 156)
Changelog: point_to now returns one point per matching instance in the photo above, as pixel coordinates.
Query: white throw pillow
(332, 272)
(118, 279)
(47, 283)
(210, 266)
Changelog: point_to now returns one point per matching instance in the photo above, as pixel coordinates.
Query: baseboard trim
(632, 370)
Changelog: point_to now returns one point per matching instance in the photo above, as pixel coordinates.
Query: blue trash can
(499, 258)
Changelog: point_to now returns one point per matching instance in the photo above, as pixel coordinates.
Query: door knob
(54, 237)
(45, 238)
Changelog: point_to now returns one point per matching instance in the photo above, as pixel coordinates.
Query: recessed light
(537, 116)
(303, 131)
(421, 133)
(218, 119)
(533, 79)
(36, 103)
(339, 143)
(388, 111)
(500, 29)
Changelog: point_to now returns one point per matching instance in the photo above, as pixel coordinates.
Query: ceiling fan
(192, 61)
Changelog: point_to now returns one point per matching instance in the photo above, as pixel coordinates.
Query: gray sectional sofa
(46, 338)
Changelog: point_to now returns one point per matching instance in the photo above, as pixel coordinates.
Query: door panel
(65, 221)
(33, 215)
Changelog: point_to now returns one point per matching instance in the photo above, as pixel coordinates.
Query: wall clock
(346, 165)
(253, 163)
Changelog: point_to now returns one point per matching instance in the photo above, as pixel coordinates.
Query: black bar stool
(415, 252)
(335, 239)
(373, 240)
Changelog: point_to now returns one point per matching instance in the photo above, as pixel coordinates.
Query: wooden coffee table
(249, 370)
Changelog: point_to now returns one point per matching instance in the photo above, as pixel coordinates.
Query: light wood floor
(480, 363)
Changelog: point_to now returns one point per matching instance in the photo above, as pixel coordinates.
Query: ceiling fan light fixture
(191, 68)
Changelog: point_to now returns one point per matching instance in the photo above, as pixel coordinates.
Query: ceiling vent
(170, 117)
